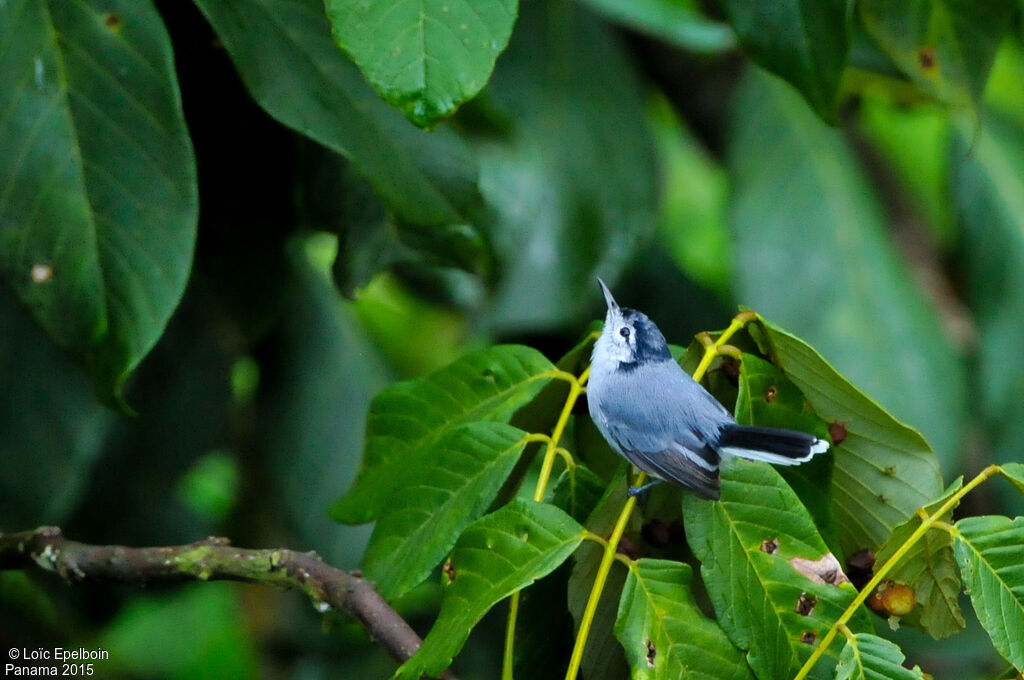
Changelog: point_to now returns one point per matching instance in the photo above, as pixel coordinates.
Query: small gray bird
(662, 420)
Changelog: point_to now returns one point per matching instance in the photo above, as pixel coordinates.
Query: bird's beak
(609, 300)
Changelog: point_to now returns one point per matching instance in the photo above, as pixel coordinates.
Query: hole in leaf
(770, 546)
(449, 570)
(769, 395)
(809, 638)
(651, 652)
(805, 604)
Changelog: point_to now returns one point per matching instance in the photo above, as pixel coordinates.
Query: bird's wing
(693, 464)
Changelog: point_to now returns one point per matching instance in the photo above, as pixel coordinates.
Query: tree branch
(215, 559)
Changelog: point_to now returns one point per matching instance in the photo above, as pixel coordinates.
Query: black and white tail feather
(769, 444)
(663, 421)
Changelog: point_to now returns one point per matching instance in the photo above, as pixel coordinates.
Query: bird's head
(629, 338)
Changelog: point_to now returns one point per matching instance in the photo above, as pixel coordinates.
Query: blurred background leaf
(824, 227)
(571, 185)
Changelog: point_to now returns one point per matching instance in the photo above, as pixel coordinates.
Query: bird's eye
(624, 332)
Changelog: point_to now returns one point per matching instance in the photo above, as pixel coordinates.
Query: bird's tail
(770, 444)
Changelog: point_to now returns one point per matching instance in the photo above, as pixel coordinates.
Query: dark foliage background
(650, 151)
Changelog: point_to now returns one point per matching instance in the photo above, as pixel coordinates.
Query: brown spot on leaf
(113, 22)
(651, 652)
(809, 638)
(770, 546)
(824, 570)
(769, 394)
(449, 570)
(837, 431)
(927, 60)
(805, 604)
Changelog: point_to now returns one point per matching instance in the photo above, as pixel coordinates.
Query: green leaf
(53, 429)
(408, 419)
(664, 633)
(866, 657)
(990, 552)
(747, 543)
(569, 86)
(945, 46)
(767, 397)
(1015, 473)
(211, 639)
(312, 404)
(578, 491)
(97, 177)
(988, 190)
(929, 569)
(285, 55)
(679, 22)
(497, 555)
(422, 520)
(817, 259)
(804, 42)
(883, 471)
(914, 141)
(692, 225)
(426, 57)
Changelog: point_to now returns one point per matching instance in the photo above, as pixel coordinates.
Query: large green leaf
(803, 41)
(677, 21)
(867, 657)
(929, 569)
(284, 52)
(750, 545)
(97, 177)
(813, 255)
(423, 518)
(663, 632)
(424, 56)
(497, 555)
(312, 405)
(53, 429)
(408, 418)
(988, 188)
(883, 470)
(946, 46)
(573, 96)
(767, 397)
(990, 552)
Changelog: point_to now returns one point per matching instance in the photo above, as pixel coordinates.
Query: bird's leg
(637, 490)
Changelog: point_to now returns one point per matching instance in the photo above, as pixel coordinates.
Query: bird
(664, 422)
